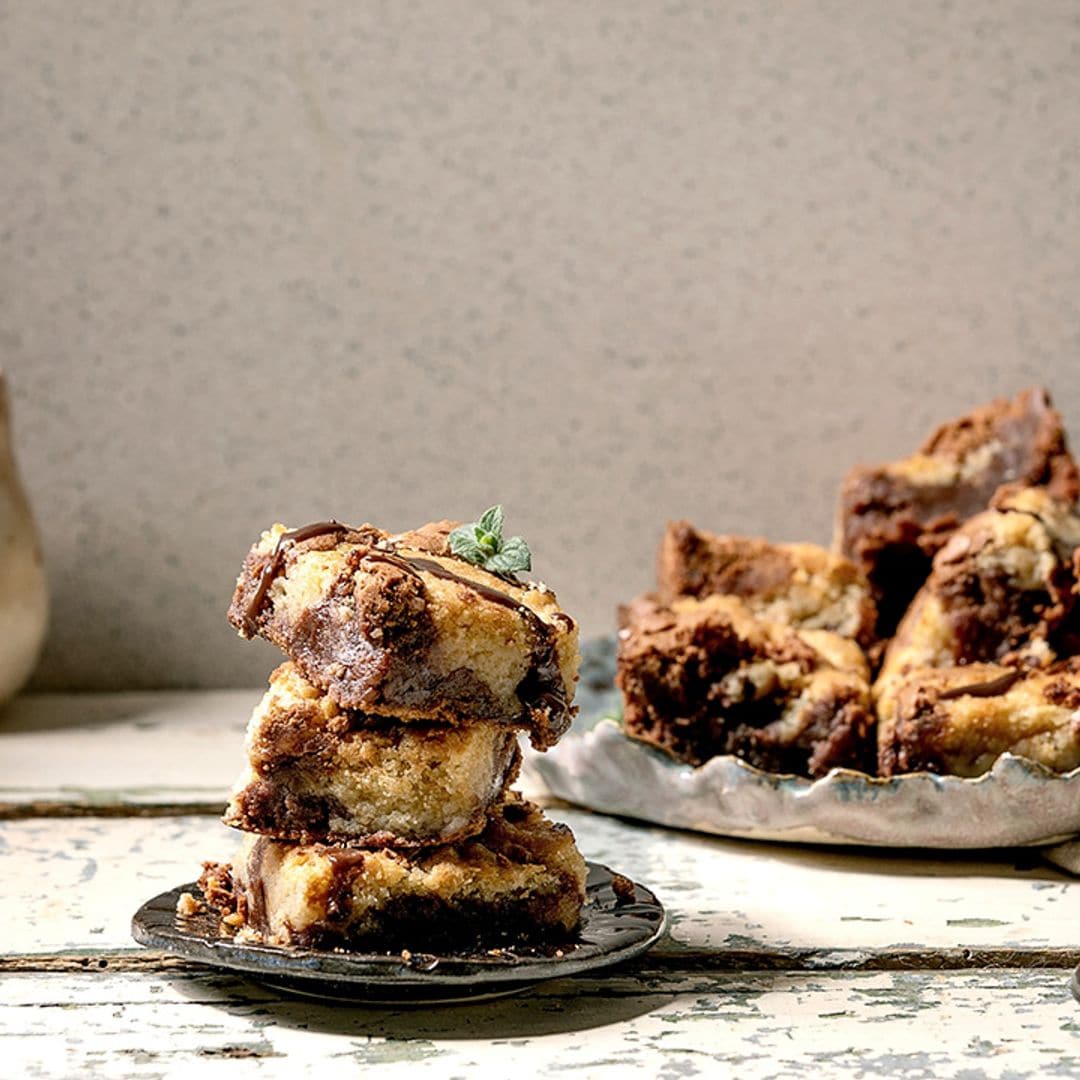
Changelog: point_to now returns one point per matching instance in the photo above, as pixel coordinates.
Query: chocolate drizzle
(277, 560)
(990, 688)
(255, 891)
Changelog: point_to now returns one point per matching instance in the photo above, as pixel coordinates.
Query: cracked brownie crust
(893, 518)
(396, 626)
(959, 720)
(317, 772)
(801, 585)
(521, 879)
(701, 678)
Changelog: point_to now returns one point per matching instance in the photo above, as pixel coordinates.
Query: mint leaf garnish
(491, 522)
(464, 545)
(481, 543)
(514, 555)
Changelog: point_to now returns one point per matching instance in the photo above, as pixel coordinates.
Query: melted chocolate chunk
(256, 914)
(345, 865)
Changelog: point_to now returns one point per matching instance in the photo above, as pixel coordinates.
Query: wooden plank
(87, 751)
(73, 884)
(1014, 1024)
(739, 894)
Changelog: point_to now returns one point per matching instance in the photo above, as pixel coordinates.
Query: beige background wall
(604, 262)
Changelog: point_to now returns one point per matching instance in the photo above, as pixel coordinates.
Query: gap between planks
(656, 964)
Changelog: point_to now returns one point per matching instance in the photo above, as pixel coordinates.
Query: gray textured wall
(606, 263)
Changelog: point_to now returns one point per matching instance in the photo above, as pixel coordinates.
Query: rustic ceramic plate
(612, 930)
(596, 765)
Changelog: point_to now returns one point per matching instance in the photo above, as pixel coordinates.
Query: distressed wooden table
(779, 960)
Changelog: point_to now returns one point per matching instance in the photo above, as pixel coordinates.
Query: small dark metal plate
(612, 930)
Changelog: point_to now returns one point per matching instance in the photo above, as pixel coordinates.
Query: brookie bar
(959, 720)
(702, 678)
(397, 626)
(521, 879)
(318, 772)
(1003, 589)
(893, 518)
(800, 585)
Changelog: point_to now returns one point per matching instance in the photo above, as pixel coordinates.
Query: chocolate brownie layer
(396, 626)
(521, 879)
(959, 720)
(802, 585)
(705, 677)
(893, 518)
(317, 772)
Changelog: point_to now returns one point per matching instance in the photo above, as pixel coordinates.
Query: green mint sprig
(481, 543)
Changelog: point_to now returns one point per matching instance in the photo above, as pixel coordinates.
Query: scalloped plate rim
(727, 796)
(1004, 760)
(807, 795)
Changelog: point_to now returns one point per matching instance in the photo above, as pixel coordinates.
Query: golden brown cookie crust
(960, 720)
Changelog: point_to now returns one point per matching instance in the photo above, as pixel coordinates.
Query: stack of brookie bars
(375, 803)
(942, 630)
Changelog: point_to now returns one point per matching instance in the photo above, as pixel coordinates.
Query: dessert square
(398, 626)
(705, 677)
(1004, 589)
(522, 879)
(800, 585)
(959, 720)
(893, 518)
(319, 772)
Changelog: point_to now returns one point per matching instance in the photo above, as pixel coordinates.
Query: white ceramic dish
(1017, 803)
